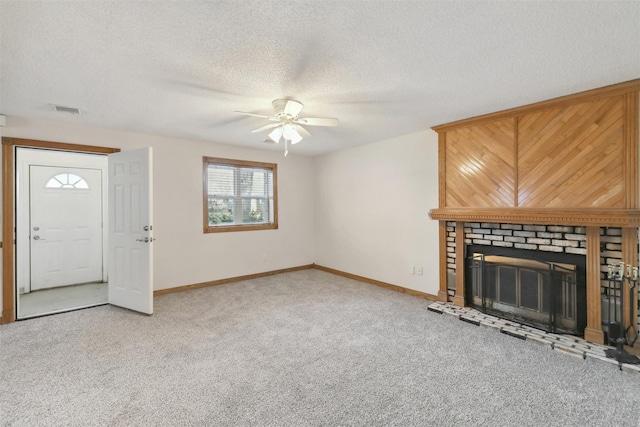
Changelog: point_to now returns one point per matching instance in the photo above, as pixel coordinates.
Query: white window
(67, 180)
(239, 195)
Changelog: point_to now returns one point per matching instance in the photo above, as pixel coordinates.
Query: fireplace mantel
(576, 217)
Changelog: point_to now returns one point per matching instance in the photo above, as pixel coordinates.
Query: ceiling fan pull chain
(286, 147)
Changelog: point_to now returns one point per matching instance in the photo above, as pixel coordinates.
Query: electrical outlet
(412, 269)
(419, 270)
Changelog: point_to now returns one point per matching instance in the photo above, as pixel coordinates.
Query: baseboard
(229, 280)
(385, 285)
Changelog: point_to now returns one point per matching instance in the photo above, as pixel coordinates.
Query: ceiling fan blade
(266, 127)
(257, 115)
(318, 121)
(293, 107)
(302, 131)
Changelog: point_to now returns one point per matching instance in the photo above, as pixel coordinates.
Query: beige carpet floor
(299, 349)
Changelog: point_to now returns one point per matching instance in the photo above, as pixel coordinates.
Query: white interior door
(65, 223)
(131, 230)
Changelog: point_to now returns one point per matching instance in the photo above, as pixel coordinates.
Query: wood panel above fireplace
(579, 152)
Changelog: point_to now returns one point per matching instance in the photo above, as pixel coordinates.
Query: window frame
(273, 167)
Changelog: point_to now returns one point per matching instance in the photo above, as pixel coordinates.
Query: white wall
(183, 254)
(372, 206)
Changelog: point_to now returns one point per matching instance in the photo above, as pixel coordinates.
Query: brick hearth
(567, 344)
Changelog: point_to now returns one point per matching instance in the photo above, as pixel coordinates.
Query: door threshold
(64, 310)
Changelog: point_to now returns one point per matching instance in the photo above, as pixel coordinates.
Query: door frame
(9, 209)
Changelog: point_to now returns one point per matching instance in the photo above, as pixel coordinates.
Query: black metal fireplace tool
(617, 333)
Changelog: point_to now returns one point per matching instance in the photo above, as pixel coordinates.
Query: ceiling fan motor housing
(286, 109)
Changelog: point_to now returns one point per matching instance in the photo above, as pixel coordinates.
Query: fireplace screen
(513, 284)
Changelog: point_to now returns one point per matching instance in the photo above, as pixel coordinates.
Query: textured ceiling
(384, 68)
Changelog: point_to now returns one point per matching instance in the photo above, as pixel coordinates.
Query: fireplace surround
(545, 290)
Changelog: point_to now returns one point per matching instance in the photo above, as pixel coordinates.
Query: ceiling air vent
(70, 110)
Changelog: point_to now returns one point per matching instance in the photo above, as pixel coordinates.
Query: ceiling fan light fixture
(291, 134)
(276, 134)
(288, 132)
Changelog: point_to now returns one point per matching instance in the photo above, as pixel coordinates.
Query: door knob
(146, 239)
(36, 237)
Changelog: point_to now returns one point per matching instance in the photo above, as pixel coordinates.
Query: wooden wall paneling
(593, 331)
(443, 294)
(442, 167)
(630, 256)
(480, 165)
(631, 141)
(571, 156)
(458, 299)
(576, 98)
(515, 162)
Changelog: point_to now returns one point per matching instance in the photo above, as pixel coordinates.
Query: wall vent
(70, 110)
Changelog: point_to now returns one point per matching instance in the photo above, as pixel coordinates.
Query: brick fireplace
(544, 242)
(600, 245)
(557, 177)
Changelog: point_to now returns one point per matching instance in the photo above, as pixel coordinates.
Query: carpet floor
(306, 348)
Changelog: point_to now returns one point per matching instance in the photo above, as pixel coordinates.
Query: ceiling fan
(286, 126)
